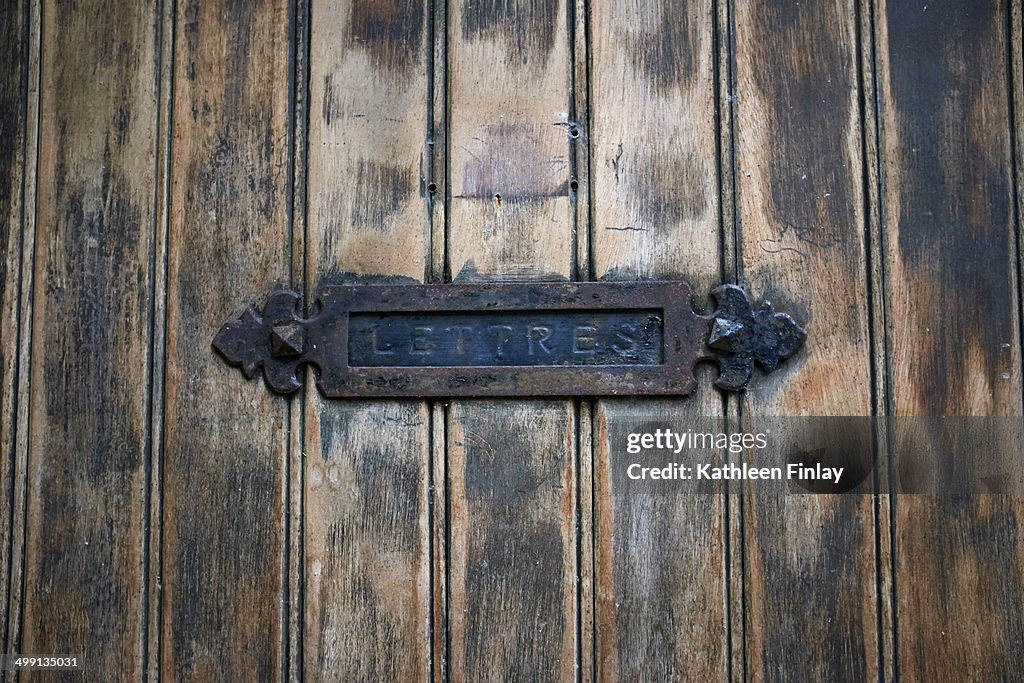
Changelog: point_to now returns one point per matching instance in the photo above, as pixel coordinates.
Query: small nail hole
(573, 185)
(574, 132)
(432, 188)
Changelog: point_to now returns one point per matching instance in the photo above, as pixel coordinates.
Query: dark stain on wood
(380, 192)
(802, 238)
(224, 455)
(811, 173)
(827, 579)
(390, 30)
(666, 193)
(391, 483)
(241, 487)
(515, 564)
(84, 549)
(664, 44)
(951, 295)
(527, 27)
(942, 64)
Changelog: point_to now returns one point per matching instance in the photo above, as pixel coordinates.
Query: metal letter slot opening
(507, 339)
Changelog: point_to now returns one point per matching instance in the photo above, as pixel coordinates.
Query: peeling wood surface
(163, 164)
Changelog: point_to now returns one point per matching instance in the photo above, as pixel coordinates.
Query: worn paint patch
(514, 161)
(515, 562)
(811, 170)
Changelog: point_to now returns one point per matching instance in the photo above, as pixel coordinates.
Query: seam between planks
(16, 604)
(153, 494)
(889, 398)
(871, 257)
(23, 323)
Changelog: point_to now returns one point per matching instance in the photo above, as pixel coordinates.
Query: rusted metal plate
(507, 339)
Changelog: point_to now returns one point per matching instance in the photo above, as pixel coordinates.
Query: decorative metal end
(739, 335)
(273, 340)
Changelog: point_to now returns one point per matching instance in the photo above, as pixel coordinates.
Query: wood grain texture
(952, 322)
(84, 548)
(512, 546)
(509, 207)
(660, 562)
(226, 442)
(14, 164)
(367, 466)
(800, 210)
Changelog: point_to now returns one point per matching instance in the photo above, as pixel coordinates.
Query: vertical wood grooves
(293, 585)
(579, 174)
(440, 271)
(437, 239)
(17, 205)
(729, 270)
(869, 257)
(587, 502)
(443, 58)
(1014, 66)
(877, 332)
(887, 401)
(165, 137)
(157, 285)
(441, 108)
(725, 179)
(26, 304)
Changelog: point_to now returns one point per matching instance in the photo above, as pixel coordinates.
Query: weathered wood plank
(84, 548)
(800, 209)
(509, 208)
(952, 321)
(512, 609)
(656, 214)
(226, 440)
(367, 542)
(512, 498)
(15, 165)
(367, 467)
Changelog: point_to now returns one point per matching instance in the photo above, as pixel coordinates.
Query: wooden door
(165, 163)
